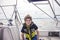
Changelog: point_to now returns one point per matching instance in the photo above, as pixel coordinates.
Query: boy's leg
(35, 38)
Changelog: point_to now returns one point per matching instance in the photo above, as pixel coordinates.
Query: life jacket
(30, 31)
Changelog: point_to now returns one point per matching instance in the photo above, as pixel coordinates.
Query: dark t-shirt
(32, 28)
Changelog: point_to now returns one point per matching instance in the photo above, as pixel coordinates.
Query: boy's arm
(37, 34)
(22, 35)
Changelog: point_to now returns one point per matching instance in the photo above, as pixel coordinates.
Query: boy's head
(28, 19)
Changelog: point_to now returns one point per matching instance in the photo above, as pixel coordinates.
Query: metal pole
(43, 11)
(6, 5)
(57, 2)
(15, 20)
(53, 12)
(4, 13)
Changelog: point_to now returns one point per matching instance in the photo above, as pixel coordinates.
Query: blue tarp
(36, 0)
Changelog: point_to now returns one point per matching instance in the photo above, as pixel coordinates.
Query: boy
(29, 29)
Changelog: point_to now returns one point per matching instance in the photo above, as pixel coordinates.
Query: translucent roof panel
(7, 2)
(2, 16)
(8, 11)
(42, 15)
(28, 8)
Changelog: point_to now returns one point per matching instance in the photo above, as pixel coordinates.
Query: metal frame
(42, 10)
(57, 2)
(14, 12)
(46, 13)
(53, 12)
(6, 5)
(34, 5)
(3, 10)
(57, 15)
(4, 13)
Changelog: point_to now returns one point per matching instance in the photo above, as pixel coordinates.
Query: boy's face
(28, 21)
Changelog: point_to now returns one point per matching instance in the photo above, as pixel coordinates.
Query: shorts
(34, 38)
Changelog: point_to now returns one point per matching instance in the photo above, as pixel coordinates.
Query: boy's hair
(28, 17)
